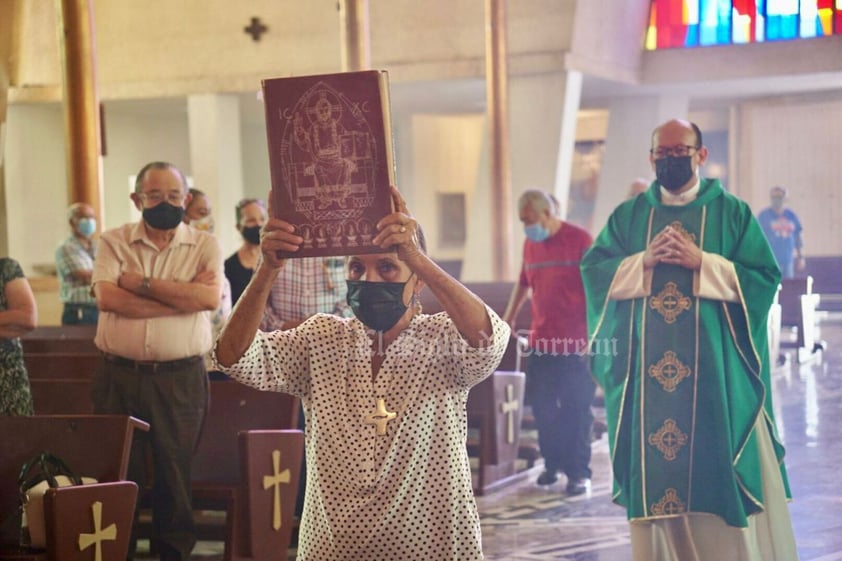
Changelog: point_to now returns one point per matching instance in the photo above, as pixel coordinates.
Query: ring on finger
(403, 229)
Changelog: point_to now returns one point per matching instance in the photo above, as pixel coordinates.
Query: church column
(7, 21)
(81, 103)
(627, 143)
(496, 78)
(543, 108)
(568, 116)
(355, 35)
(216, 159)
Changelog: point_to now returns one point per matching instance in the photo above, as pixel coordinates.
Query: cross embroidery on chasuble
(381, 417)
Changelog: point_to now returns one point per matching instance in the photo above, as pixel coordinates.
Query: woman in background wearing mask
(251, 216)
(75, 265)
(198, 211)
(384, 398)
(197, 214)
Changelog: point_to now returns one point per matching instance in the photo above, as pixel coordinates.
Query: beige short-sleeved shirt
(128, 249)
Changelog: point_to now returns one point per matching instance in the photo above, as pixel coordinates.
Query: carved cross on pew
(255, 29)
(100, 534)
(275, 481)
(508, 408)
(381, 417)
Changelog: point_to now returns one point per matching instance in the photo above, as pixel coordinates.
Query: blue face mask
(536, 232)
(86, 226)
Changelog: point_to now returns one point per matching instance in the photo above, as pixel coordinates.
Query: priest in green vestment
(679, 284)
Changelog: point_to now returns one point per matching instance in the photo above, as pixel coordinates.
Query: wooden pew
(62, 365)
(217, 476)
(798, 310)
(61, 352)
(495, 407)
(77, 339)
(61, 396)
(90, 519)
(96, 446)
(270, 463)
(826, 271)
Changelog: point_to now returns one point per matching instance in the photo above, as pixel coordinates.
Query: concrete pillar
(355, 35)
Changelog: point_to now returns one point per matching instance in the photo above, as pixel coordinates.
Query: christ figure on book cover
(329, 150)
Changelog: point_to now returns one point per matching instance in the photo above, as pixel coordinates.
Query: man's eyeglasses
(154, 198)
(676, 151)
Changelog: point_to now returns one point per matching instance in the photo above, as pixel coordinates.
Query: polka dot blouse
(404, 494)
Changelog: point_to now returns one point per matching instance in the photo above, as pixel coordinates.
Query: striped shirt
(73, 256)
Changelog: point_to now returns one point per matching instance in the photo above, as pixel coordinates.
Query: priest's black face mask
(673, 172)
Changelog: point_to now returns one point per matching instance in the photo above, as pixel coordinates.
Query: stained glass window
(694, 23)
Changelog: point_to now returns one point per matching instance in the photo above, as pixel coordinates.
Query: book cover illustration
(331, 158)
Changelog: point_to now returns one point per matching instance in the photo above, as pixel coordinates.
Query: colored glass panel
(715, 22)
(837, 18)
(744, 21)
(652, 29)
(809, 18)
(669, 18)
(689, 23)
(781, 19)
(760, 21)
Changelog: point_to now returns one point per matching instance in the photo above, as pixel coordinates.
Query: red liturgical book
(331, 158)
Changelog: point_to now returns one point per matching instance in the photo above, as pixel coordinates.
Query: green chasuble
(686, 378)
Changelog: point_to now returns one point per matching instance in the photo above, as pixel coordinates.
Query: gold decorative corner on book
(679, 227)
(669, 371)
(668, 439)
(670, 302)
(669, 504)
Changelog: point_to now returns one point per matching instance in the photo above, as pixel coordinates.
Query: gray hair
(536, 199)
(74, 209)
(138, 182)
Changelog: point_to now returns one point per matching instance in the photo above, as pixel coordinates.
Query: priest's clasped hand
(673, 248)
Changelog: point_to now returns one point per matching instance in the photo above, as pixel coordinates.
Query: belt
(152, 367)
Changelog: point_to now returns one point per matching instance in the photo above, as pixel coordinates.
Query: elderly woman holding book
(384, 398)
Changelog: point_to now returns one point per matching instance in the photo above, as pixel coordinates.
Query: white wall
(446, 149)
(133, 141)
(796, 143)
(36, 184)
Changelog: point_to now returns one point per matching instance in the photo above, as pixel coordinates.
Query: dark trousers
(561, 390)
(174, 404)
(79, 314)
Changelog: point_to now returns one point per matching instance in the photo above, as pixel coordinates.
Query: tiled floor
(524, 522)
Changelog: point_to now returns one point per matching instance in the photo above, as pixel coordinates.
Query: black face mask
(673, 172)
(251, 234)
(379, 305)
(163, 216)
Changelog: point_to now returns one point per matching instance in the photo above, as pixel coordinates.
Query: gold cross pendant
(380, 417)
